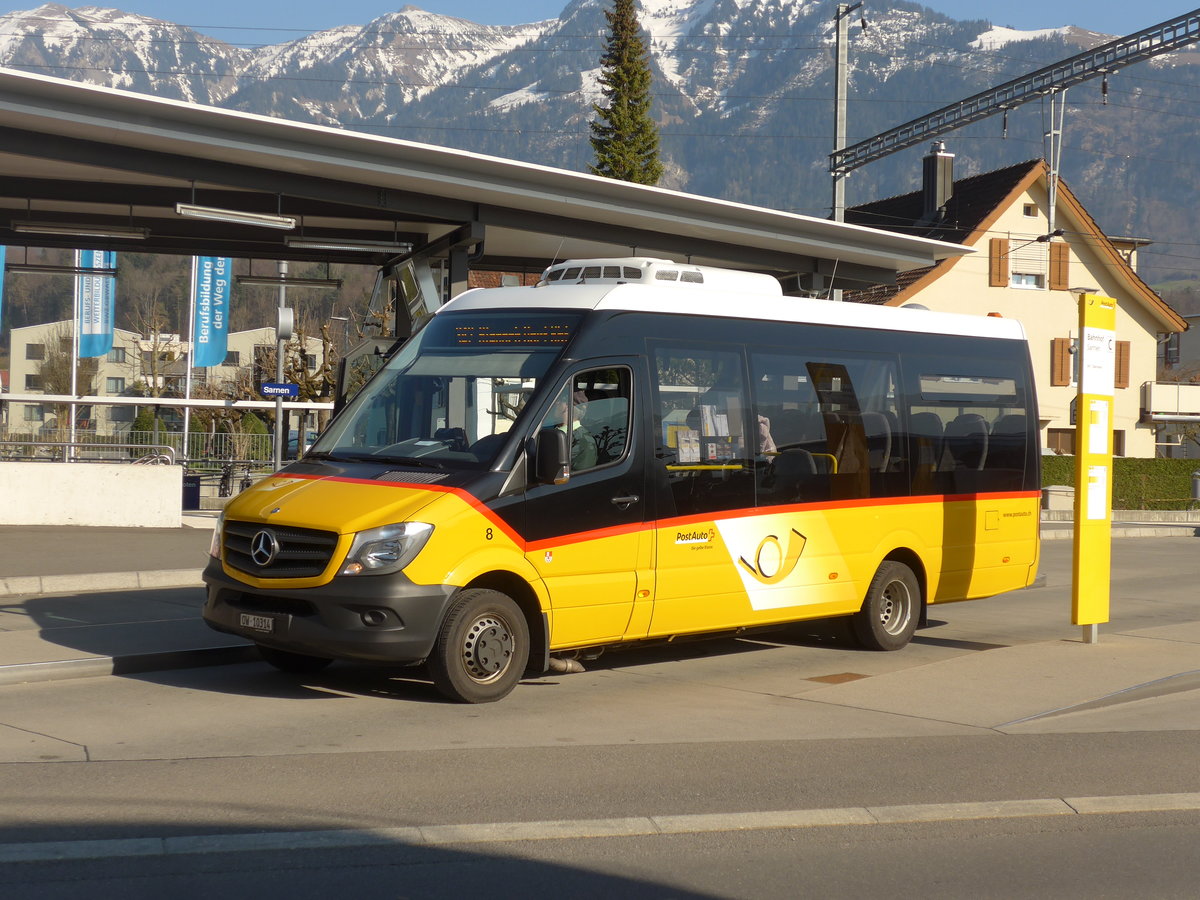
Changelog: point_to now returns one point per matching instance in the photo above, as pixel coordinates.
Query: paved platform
(78, 601)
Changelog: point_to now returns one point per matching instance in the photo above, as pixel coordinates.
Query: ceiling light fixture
(235, 216)
(40, 269)
(128, 233)
(299, 242)
(276, 281)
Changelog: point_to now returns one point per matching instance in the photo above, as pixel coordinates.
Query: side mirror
(552, 457)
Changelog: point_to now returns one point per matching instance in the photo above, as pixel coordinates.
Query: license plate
(257, 623)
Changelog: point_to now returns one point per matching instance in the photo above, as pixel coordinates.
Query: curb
(432, 836)
(132, 664)
(21, 585)
(1066, 534)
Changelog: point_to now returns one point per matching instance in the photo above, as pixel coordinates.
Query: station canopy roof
(109, 170)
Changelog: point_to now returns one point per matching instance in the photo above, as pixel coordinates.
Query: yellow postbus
(632, 451)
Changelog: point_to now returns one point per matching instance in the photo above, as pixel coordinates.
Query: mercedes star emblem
(264, 548)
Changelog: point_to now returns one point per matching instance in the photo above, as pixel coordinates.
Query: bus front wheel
(481, 649)
(889, 614)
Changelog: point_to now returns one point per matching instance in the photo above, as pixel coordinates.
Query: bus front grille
(274, 551)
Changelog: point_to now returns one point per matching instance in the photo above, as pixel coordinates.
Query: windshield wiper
(324, 454)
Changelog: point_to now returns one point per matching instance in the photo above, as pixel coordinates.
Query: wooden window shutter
(998, 262)
(1060, 263)
(1122, 373)
(1060, 362)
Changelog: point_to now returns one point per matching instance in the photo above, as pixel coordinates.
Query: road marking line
(634, 826)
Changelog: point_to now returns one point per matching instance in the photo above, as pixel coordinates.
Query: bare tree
(54, 373)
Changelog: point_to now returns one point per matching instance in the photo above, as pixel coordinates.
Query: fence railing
(82, 451)
(248, 448)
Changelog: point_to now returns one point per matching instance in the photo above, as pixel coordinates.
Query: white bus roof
(715, 300)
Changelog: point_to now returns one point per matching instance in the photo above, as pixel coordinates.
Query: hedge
(1137, 483)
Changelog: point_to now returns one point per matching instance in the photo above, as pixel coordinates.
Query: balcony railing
(1164, 401)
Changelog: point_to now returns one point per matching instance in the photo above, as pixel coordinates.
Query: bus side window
(969, 428)
(706, 444)
(594, 409)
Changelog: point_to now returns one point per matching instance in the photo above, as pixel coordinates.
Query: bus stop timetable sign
(272, 389)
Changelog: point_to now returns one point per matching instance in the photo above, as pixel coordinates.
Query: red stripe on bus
(617, 530)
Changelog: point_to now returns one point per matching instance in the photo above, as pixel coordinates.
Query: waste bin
(191, 491)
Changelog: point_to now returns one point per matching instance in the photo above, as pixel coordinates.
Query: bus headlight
(381, 551)
(214, 548)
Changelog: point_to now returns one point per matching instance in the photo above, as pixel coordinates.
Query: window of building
(232, 358)
(1064, 358)
(122, 413)
(114, 385)
(35, 351)
(1061, 440)
(34, 413)
(310, 361)
(116, 355)
(163, 356)
(33, 382)
(1029, 210)
(1028, 263)
(1064, 362)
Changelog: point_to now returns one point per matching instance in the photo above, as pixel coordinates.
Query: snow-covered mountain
(742, 92)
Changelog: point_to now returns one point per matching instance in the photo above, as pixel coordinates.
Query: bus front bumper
(384, 619)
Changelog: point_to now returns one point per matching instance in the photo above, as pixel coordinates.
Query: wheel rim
(895, 607)
(487, 648)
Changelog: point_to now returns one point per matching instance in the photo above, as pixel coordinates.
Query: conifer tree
(624, 137)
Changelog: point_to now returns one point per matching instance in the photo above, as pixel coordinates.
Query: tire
(481, 649)
(889, 615)
(293, 663)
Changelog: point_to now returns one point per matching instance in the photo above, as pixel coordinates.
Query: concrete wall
(48, 493)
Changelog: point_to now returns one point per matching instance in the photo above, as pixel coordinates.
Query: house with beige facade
(1030, 265)
(137, 365)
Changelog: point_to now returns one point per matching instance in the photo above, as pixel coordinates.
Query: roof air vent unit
(658, 273)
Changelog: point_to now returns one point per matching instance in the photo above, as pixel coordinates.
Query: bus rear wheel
(889, 615)
(482, 648)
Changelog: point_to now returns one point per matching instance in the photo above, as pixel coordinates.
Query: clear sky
(276, 21)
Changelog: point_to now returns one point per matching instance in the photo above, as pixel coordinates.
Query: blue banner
(94, 298)
(210, 328)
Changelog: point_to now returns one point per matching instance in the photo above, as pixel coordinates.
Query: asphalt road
(787, 766)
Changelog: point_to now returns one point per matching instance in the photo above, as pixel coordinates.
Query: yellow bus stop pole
(1093, 464)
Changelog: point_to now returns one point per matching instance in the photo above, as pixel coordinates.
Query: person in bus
(564, 415)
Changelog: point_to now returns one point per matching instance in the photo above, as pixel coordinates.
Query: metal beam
(249, 178)
(644, 241)
(1165, 37)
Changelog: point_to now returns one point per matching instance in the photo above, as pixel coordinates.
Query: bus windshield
(449, 397)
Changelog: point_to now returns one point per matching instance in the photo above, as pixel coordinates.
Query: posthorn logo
(264, 547)
(774, 559)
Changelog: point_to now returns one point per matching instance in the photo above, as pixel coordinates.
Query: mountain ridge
(742, 88)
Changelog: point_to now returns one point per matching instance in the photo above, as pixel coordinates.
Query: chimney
(937, 181)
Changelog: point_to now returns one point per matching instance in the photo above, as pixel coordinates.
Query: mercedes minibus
(636, 450)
